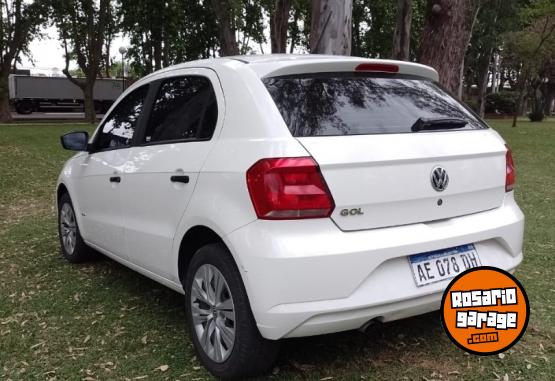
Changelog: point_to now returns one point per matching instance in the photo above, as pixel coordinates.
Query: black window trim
(173, 141)
(145, 116)
(138, 127)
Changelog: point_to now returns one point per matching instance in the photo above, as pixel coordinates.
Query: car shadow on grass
(379, 346)
(319, 356)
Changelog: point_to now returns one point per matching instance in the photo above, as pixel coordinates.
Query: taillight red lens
(288, 188)
(378, 67)
(511, 176)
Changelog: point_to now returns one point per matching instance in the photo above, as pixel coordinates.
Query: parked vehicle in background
(35, 93)
(291, 195)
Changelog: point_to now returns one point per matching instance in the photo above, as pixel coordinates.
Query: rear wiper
(422, 124)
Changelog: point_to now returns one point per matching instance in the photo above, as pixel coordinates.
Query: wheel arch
(60, 191)
(195, 238)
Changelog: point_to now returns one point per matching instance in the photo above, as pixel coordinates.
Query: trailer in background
(34, 93)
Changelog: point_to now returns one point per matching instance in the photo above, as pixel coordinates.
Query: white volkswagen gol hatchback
(290, 196)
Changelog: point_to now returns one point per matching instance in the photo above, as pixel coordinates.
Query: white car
(291, 195)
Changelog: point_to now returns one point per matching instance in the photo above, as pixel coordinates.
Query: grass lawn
(101, 321)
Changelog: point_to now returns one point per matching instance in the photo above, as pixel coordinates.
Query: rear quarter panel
(252, 129)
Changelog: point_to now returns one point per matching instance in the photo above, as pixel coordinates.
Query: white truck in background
(35, 93)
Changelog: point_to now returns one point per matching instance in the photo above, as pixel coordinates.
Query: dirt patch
(14, 213)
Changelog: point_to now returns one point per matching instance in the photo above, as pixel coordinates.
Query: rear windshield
(361, 104)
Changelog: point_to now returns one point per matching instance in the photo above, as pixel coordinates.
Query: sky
(48, 54)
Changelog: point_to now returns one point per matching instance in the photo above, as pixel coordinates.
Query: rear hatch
(359, 127)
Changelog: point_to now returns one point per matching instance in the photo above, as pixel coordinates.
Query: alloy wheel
(68, 228)
(213, 313)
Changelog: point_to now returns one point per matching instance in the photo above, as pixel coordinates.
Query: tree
(373, 26)
(248, 21)
(374, 23)
(532, 51)
(181, 30)
(331, 27)
(20, 22)
(240, 23)
(299, 26)
(83, 26)
(279, 22)
(401, 36)
(445, 37)
(224, 10)
(494, 19)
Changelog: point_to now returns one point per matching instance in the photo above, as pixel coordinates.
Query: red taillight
(511, 176)
(288, 188)
(378, 67)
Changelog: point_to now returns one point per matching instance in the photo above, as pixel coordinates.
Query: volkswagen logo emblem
(439, 179)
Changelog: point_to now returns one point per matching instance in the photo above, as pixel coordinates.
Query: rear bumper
(308, 277)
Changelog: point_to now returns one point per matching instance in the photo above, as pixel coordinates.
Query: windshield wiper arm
(422, 124)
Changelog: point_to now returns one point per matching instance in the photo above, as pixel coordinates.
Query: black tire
(251, 354)
(81, 252)
(24, 107)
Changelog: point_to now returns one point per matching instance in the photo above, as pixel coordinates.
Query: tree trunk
(473, 17)
(88, 93)
(157, 54)
(357, 19)
(331, 27)
(294, 32)
(494, 73)
(483, 84)
(401, 36)
(166, 56)
(445, 37)
(5, 111)
(279, 21)
(228, 41)
(519, 106)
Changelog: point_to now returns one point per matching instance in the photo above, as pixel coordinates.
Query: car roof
(270, 65)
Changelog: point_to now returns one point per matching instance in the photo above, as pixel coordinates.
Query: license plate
(435, 266)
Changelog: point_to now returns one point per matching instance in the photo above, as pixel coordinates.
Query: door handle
(115, 179)
(180, 179)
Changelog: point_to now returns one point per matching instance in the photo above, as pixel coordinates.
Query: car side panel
(153, 205)
(252, 129)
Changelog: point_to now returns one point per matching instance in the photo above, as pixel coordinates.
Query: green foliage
(177, 31)
(84, 26)
(374, 24)
(249, 23)
(503, 102)
(77, 73)
(299, 25)
(536, 116)
(20, 22)
(531, 51)
(184, 30)
(495, 17)
(531, 45)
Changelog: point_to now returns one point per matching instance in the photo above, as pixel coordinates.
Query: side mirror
(75, 141)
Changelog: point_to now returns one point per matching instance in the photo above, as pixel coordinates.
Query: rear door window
(185, 108)
(331, 104)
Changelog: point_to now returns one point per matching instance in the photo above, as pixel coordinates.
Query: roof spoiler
(325, 65)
